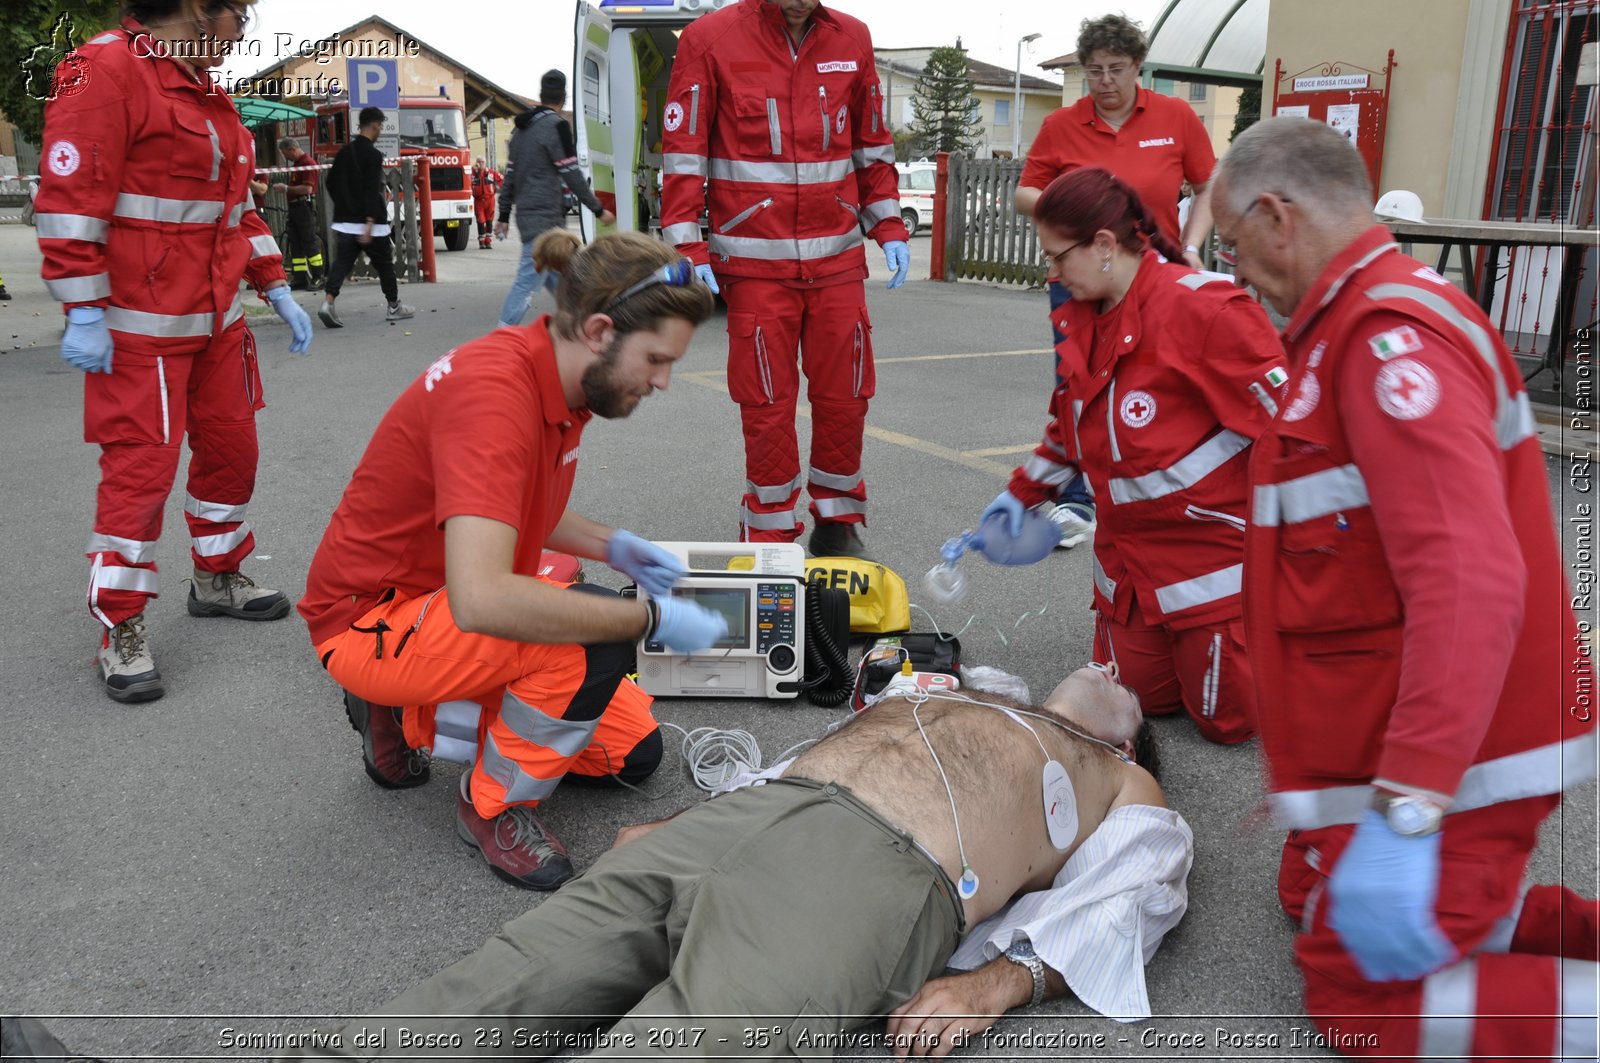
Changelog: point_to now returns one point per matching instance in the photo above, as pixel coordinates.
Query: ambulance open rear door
(591, 112)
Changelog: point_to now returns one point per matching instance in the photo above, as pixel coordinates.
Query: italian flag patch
(1276, 376)
(1395, 342)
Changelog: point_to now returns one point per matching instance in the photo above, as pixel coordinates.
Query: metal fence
(985, 237)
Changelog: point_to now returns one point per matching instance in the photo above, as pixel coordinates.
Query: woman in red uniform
(1167, 377)
(484, 183)
(146, 228)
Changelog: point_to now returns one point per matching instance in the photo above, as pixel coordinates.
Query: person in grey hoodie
(542, 156)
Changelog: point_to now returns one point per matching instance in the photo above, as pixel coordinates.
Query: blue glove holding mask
(1382, 893)
(293, 315)
(654, 570)
(898, 254)
(683, 626)
(87, 343)
(709, 279)
(1009, 504)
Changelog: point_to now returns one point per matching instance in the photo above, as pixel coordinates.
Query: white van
(916, 194)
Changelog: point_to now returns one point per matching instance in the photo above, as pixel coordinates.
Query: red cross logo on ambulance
(672, 117)
(1138, 409)
(1407, 389)
(64, 158)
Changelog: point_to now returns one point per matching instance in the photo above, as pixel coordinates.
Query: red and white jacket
(1158, 414)
(144, 200)
(787, 144)
(1406, 607)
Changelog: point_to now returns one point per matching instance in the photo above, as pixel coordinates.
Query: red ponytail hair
(1081, 202)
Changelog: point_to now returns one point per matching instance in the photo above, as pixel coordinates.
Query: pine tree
(943, 105)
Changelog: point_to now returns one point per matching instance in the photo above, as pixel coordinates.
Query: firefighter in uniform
(1425, 691)
(305, 245)
(146, 230)
(1167, 376)
(424, 600)
(484, 182)
(774, 118)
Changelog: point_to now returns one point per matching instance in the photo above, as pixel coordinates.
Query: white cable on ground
(716, 756)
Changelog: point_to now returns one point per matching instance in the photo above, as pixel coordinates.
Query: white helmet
(1399, 205)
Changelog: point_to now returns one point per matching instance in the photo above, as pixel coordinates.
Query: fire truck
(431, 126)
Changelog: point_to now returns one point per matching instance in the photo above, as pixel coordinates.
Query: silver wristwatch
(1408, 815)
(1022, 954)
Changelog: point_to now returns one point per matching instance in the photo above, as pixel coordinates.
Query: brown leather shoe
(390, 763)
(516, 843)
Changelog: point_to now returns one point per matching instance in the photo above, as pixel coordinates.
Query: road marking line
(995, 452)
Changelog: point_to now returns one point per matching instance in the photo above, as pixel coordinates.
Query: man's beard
(602, 392)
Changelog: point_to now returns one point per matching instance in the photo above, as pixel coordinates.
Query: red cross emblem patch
(1406, 389)
(1138, 409)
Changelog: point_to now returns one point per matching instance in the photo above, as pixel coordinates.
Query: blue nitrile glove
(683, 626)
(652, 568)
(1382, 893)
(1009, 504)
(293, 315)
(709, 279)
(87, 343)
(898, 253)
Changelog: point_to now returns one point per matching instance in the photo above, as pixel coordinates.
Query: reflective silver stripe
(1111, 421)
(774, 130)
(774, 493)
(832, 480)
(683, 233)
(1077, 415)
(1042, 470)
(1267, 402)
(864, 157)
(71, 227)
(216, 150)
(1213, 677)
(683, 163)
(880, 210)
(176, 211)
(566, 737)
(1201, 513)
(1104, 583)
(166, 408)
(140, 323)
(1580, 986)
(222, 543)
(137, 551)
(839, 507)
(455, 732)
(1201, 590)
(1531, 773)
(780, 173)
(782, 520)
(80, 289)
(120, 578)
(785, 250)
(105, 38)
(235, 215)
(235, 312)
(1513, 419)
(1182, 474)
(1449, 1009)
(1309, 497)
(262, 246)
(520, 787)
(694, 109)
(216, 512)
(1195, 281)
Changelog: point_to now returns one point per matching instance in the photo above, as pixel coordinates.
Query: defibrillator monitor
(762, 654)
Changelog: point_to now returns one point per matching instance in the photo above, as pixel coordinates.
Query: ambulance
(623, 59)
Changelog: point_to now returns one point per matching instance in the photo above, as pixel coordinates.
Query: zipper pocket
(774, 128)
(1196, 513)
(846, 205)
(860, 357)
(763, 364)
(827, 125)
(694, 109)
(877, 106)
(150, 275)
(744, 215)
(166, 420)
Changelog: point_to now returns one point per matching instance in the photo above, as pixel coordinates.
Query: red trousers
(1202, 670)
(776, 332)
(523, 714)
(1529, 953)
(139, 413)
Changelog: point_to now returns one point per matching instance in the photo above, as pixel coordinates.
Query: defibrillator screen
(734, 605)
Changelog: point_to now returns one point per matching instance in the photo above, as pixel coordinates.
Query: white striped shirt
(1106, 912)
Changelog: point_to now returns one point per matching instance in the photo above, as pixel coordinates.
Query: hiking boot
(4, 295)
(1076, 522)
(390, 763)
(399, 312)
(519, 848)
(126, 666)
(328, 315)
(22, 1038)
(234, 594)
(831, 538)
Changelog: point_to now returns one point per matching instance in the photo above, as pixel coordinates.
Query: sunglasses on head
(679, 274)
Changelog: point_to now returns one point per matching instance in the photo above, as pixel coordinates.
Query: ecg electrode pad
(1060, 806)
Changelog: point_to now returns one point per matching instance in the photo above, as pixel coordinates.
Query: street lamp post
(1016, 106)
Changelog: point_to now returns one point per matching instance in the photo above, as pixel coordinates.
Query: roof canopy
(256, 111)
(1222, 42)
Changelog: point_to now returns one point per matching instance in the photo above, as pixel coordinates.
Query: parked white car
(916, 195)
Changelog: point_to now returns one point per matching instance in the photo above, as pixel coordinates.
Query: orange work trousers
(523, 714)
